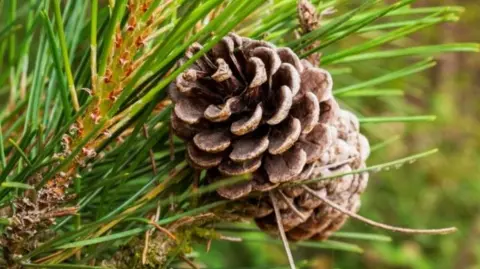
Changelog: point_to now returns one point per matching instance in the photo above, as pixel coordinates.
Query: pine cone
(249, 107)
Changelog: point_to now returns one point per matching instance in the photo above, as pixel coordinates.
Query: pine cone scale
(219, 113)
(231, 168)
(308, 112)
(283, 105)
(282, 168)
(212, 141)
(249, 148)
(202, 159)
(249, 123)
(284, 136)
(189, 111)
(257, 74)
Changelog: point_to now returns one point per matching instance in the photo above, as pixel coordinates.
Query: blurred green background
(439, 191)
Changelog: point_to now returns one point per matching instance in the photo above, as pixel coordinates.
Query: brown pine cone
(249, 107)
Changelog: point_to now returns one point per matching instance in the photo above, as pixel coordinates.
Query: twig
(153, 219)
(61, 212)
(209, 245)
(230, 238)
(42, 259)
(163, 230)
(171, 143)
(189, 262)
(152, 156)
(145, 247)
(292, 206)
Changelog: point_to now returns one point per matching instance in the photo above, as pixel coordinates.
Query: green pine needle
(385, 143)
(371, 120)
(17, 185)
(64, 50)
(327, 244)
(362, 236)
(421, 50)
(376, 168)
(415, 68)
(373, 93)
(20, 151)
(61, 266)
(3, 159)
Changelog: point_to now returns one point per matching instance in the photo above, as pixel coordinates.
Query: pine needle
(281, 231)
(372, 120)
(375, 168)
(66, 61)
(378, 224)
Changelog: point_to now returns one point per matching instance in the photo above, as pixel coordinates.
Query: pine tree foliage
(91, 175)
